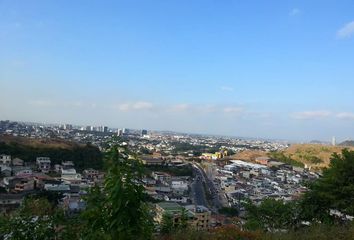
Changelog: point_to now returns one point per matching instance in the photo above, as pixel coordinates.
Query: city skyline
(283, 72)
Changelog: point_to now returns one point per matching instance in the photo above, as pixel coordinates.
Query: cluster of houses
(164, 187)
(263, 179)
(173, 194)
(19, 179)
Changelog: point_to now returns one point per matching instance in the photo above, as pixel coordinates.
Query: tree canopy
(118, 210)
(333, 191)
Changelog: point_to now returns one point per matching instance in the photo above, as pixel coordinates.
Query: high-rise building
(334, 143)
(102, 129)
(144, 132)
(120, 132)
(68, 127)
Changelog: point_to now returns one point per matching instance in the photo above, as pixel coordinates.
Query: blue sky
(272, 69)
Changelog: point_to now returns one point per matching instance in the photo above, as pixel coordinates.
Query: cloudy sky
(271, 69)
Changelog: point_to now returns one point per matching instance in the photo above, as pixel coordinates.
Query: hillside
(38, 143)
(347, 143)
(314, 155)
(83, 156)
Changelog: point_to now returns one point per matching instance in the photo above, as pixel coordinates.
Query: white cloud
(311, 115)
(41, 103)
(226, 88)
(346, 31)
(209, 108)
(135, 106)
(192, 108)
(294, 12)
(345, 115)
(180, 107)
(233, 109)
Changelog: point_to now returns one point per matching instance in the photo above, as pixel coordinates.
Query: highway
(198, 190)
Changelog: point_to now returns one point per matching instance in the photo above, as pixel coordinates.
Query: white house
(179, 185)
(43, 164)
(5, 160)
(70, 176)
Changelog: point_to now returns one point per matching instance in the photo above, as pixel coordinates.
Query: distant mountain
(318, 142)
(348, 143)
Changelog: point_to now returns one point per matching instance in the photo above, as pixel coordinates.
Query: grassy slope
(39, 143)
(83, 156)
(300, 152)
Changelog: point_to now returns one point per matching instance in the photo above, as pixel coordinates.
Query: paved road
(198, 192)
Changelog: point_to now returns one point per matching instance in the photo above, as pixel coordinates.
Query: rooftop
(170, 206)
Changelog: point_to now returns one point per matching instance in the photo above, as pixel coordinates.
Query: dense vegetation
(118, 210)
(83, 156)
(280, 156)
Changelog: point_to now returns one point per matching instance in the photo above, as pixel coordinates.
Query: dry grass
(299, 152)
(38, 143)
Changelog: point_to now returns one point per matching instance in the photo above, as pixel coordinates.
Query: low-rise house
(161, 177)
(5, 170)
(162, 189)
(43, 164)
(26, 184)
(91, 173)
(17, 162)
(179, 186)
(202, 217)
(55, 185)
(58, 168)
(5, 160)
(176, 198)
(9, 202)
(172, 209)
(149, 181)
(71, 176)
(198, 217)
(67, 165)
(20, 170)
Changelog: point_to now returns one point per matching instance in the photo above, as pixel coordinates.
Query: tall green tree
(183, 225)
(333, 191)
(117, 210)
(272, 215)
(36, 219)
(167, 224)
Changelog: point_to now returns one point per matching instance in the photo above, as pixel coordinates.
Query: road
(198, 190)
